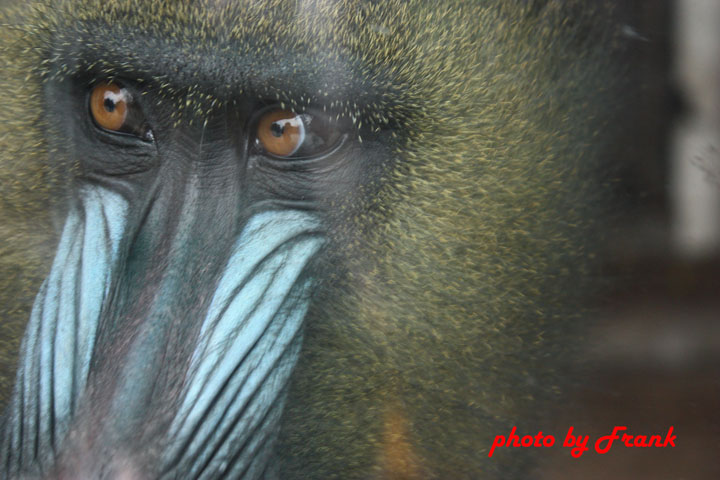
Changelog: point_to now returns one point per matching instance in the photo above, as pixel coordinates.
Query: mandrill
(293, 239)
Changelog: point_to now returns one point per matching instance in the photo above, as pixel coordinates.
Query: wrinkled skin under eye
(286, 134)
(112, 108)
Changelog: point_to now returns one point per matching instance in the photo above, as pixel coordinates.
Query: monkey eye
(286, 134)
(112, 108)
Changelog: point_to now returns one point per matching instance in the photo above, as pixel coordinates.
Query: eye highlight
(112, 108)
(286, 134)
(109, 104)
(281, 132)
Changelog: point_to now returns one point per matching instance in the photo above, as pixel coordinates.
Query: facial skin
(304, 240)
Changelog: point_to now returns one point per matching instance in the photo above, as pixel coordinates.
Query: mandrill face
(294, 236)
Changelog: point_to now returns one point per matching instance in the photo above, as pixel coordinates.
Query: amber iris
(281, 132)
(109, 106)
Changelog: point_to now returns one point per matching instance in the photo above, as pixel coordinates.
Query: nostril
(116, 468)
(128, 474)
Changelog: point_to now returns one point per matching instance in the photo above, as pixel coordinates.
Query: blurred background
(654, 354)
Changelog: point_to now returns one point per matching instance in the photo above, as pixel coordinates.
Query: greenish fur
(457, 305)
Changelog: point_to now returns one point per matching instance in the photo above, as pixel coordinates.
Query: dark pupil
(109, 105)
(277, 129)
